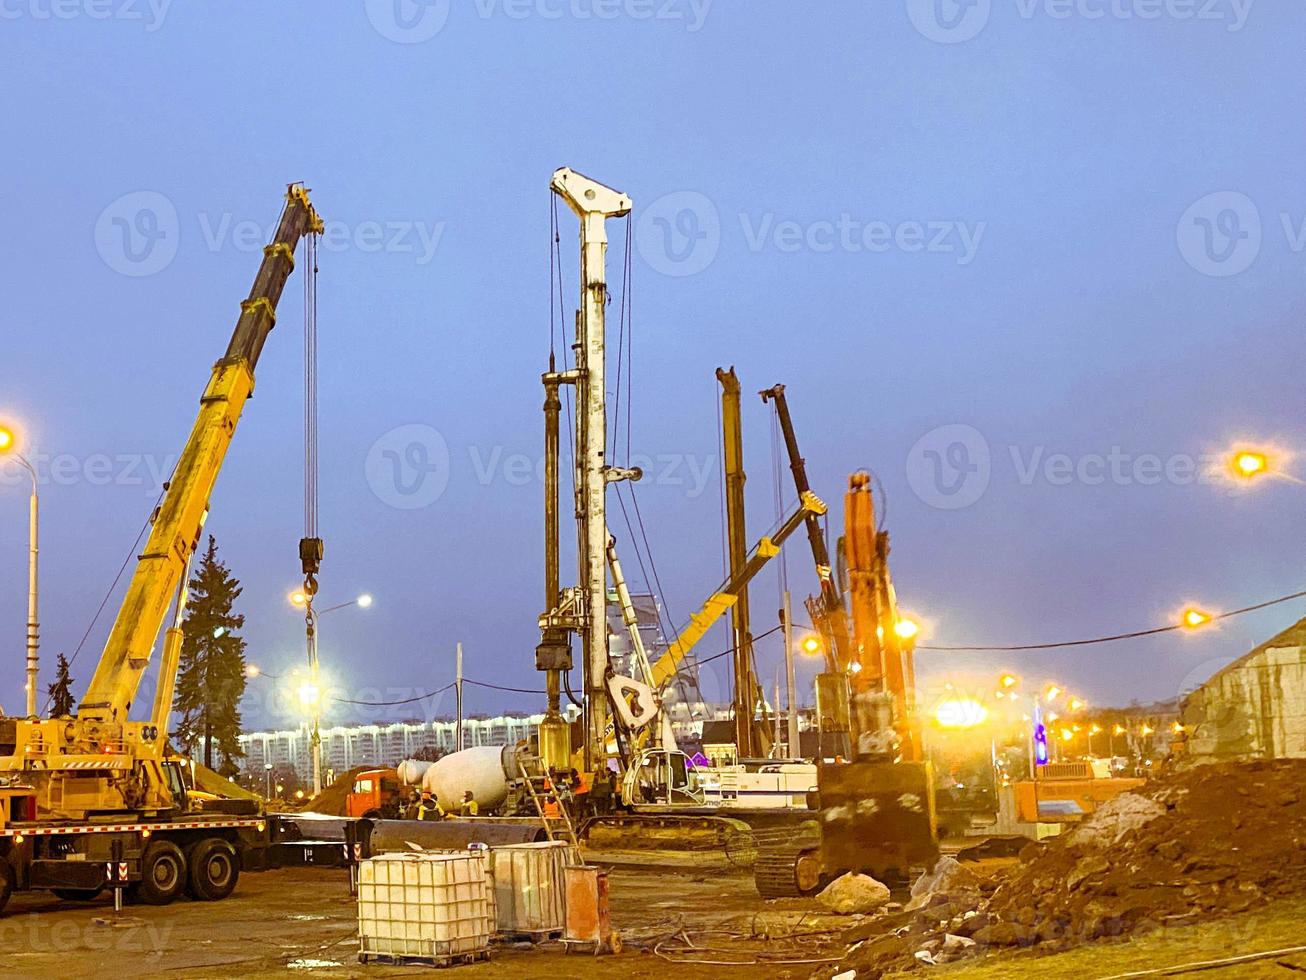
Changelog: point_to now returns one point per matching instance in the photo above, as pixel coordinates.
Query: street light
(1249, 464)
(960, 713)
(906, 628)
(811, 646)
(1193, 618)
(309, 694)
(9, 447)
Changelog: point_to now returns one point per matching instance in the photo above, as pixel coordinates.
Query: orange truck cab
(377, 793)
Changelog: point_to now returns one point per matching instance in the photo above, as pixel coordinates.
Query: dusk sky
(1034, 262)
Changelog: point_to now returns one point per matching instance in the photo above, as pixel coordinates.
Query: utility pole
(33, 622)
(458, 689)
(786, 617)
(593, 204)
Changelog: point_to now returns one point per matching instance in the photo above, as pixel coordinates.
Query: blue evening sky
(971, 239)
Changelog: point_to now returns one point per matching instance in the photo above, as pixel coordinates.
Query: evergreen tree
(211, 677)
(61, 691)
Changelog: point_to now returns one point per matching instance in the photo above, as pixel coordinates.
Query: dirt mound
(332, 799)
(1211, 841)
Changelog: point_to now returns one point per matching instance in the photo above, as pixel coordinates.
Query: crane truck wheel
(6, 883)
(214, 869)
(163, 874)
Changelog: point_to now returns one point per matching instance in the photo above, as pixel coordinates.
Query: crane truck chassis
(156, 859)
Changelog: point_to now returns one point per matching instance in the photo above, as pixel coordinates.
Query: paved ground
(300, 922)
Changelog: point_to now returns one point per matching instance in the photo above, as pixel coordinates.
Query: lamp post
(310, 694)
(8, 446)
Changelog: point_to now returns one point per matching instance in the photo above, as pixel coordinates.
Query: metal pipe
(746, 686)
(552, 572)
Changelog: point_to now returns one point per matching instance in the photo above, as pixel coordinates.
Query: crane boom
(180, 519)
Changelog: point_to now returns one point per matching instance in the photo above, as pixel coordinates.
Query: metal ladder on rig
(538, 785)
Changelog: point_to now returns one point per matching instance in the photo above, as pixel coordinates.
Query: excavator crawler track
(788, 871)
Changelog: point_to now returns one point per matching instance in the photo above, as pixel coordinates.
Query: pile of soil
(1209, 841)
(332, 798)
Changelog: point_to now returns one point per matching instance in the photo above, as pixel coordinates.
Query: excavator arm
(178, 522)
(666, 666)
(827, 610)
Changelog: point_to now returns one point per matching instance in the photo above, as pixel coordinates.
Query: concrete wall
(1253, 708)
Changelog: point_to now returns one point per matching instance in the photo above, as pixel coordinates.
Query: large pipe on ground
(389, 836)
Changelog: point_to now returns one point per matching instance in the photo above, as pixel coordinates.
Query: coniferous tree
(211, 676)
(61, 691)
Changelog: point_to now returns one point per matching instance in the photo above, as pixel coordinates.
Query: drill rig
(75, 790)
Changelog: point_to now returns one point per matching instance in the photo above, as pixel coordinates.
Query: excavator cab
(661, 777)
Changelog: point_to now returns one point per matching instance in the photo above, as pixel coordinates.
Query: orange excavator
(876, 810)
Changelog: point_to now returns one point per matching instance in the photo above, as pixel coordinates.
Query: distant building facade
(349, 746)
(1256, 706)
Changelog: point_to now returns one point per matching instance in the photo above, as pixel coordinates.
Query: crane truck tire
(214, 869)
(6, 883)
(163, 874)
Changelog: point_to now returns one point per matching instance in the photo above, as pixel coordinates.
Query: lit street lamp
(1249, 464)
(310, 694)
(8, 447)
(1194, 618)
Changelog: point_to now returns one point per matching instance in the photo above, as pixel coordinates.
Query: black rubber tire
(6, 883)
(787, 872)
(214, 869)
(76, 894)
(163, 874)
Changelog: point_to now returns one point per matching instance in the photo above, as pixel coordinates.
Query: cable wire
(1117, 636)
(384, 704)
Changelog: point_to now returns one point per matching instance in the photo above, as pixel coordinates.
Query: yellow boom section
(700, 622)
(180, 518)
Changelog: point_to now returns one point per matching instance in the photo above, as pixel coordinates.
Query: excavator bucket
(877, 817)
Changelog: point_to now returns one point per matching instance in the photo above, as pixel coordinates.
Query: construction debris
(1210, 841)
(854, 894)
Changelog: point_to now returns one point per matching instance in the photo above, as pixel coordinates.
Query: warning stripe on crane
(118, 828)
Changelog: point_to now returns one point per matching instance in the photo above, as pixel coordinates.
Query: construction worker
(552, 809)
(468, 807)
(428, 808)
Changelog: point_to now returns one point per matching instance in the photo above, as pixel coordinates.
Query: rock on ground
(853, 894)
(1115, 818)
(948, 876)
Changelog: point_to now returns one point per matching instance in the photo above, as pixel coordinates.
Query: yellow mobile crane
(92, 799)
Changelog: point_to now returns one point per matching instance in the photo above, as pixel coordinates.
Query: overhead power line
(1117, 636)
